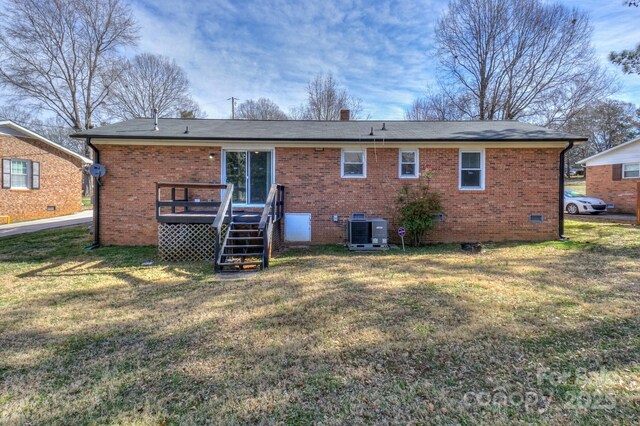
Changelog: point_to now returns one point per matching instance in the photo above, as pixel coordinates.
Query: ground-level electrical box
(367, 233)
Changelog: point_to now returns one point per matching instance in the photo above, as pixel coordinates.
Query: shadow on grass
(322, 336)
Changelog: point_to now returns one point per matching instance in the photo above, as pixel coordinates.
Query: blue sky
(382, 51)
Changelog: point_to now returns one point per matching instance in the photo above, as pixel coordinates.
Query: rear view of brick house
(39, 178)
(499, 180)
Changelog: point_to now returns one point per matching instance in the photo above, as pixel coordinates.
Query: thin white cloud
(380, 51)
(272, 48)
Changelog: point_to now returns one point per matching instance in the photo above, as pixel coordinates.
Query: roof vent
(155, 119)
(371, 134)
(186, 131)
(384, 126)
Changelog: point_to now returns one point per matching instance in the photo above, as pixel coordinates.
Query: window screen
(408, 164)
(471, 170)
(353, 163)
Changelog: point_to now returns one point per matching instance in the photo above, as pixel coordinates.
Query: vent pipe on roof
(155, 119)
(371, 134)
(186, 131)
(384, 126)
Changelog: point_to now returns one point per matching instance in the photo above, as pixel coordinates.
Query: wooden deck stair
(247, 242)
(243, 247)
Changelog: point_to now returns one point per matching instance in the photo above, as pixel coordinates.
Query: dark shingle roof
(298, 130)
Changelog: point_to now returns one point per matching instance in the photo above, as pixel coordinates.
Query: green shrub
(418, 208)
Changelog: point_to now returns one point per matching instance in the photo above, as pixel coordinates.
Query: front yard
(535, 332)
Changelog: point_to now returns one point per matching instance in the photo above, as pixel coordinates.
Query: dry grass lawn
(522, 333)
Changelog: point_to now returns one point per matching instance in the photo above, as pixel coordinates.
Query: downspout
(561, 192)
(96, 200)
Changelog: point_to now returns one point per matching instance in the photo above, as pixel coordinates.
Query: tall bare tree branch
(151, 81)
(516, 57)
(325, 99)
(262, 109)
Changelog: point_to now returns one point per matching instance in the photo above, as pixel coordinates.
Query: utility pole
(233, 106)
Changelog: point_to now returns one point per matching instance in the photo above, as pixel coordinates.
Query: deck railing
(224, 216)
(272, 213)
(184, 210)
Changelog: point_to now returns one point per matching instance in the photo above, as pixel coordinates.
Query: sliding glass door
(250, 172)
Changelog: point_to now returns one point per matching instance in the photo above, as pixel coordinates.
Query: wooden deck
(239, 216)
(249, 231)
(189, 208)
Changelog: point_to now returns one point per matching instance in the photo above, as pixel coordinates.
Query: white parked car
(576, 203)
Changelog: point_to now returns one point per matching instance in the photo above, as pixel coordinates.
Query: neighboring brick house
(613, 175)
(39, 178)
(492, 175)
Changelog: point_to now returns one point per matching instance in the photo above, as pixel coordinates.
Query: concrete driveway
(82, 218)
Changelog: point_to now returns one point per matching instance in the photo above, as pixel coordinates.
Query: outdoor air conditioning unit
(367, 233)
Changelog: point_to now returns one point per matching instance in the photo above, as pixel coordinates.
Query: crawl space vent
(536, 218)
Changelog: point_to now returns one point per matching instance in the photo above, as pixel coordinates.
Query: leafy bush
(418, 208)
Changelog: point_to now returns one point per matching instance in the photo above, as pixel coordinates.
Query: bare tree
(607, 123)
(60, 55)
(19, 115)
(440, 106)
(151, 81)
(325, 99)
(262, 109)
(514, 56)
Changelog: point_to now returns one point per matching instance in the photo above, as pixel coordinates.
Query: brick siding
(518, 182)
(128, 199)
(621, 193)
(60, 181)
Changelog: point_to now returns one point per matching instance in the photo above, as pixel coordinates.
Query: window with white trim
(631, 171)
(471, 169)
(354, 163)
(19, 174)
(408, 162)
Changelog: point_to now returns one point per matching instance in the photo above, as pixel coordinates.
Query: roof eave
(373, 139)
(34, 135)
(600, 154)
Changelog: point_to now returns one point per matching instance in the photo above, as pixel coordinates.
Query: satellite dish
(97, 170)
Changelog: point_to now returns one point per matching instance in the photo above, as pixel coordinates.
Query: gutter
(561, 192)
(364, 138)
(96, 200)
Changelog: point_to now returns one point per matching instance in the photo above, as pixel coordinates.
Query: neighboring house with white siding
(613, 175)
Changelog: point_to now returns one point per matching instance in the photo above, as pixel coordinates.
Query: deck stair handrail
(273, 211)
(224, 216)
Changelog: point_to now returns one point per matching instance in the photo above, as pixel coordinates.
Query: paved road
(81, 218)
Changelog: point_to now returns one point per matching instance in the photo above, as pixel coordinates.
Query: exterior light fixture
(212, 156)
